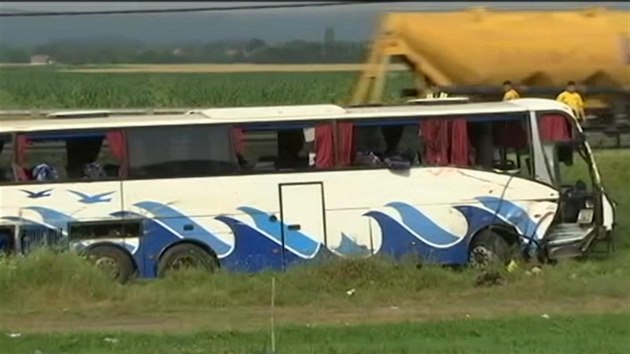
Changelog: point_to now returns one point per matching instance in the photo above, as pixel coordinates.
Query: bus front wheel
(116, 263)
(488, 249)
(186, 255)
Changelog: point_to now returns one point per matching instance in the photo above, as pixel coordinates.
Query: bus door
(303, 221)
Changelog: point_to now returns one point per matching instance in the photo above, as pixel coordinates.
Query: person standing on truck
(435, 92)
(572, 98)
(509, 91)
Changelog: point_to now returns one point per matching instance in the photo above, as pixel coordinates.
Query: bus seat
(94, 171)
(44, 172)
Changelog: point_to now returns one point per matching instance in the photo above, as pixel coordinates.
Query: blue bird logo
(36, 195)
(98, 198)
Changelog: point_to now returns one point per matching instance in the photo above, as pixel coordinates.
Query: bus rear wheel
(113, 261)
(185, 256)
(488, 249)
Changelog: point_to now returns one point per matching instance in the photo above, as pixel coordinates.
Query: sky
(352, 22)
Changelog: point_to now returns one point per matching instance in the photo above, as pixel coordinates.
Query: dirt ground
(256, 318)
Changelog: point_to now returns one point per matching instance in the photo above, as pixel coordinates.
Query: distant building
(179, 52)
(232, 52)
(41, 59)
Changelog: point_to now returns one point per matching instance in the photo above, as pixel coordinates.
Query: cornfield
(43, 88)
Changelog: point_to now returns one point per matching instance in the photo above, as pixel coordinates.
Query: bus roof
(279, 113)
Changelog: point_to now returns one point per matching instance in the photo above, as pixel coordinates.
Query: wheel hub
(481, 256)
(185, 262)
(108, 265)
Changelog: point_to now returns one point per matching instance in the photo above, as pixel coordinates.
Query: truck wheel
(186, 255)
(488, 249)
(115, 262)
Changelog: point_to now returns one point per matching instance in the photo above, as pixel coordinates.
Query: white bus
(247, 189)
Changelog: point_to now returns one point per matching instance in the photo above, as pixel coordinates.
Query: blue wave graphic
(254, 251)
(423, 226)
(52, 217)
(481, 218)
(176, 221)
(399, 242)
(511, 212)
(294, 240)
(347, 247)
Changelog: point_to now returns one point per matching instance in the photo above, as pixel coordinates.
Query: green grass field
(528, 335)
(27, 88)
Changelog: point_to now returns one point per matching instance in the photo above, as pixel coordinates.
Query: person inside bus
(393, 137)
(392, 134)
(369, 141)
(290, 145)
(572, 98)
(81, 154)
(509, 93)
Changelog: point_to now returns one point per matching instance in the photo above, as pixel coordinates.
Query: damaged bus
(247, 189)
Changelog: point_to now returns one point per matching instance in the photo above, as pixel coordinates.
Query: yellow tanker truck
(473, 52)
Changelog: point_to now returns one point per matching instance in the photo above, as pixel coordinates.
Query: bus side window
(68, 156)
(501, 143)
(6, 158)
(302, 147)
(375, 143)
(40, 158)
(181, 151)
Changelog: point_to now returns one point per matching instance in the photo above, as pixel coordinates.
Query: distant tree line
(255, 50)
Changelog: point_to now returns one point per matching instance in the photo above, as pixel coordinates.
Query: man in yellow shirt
(572, 98)
(509, 92)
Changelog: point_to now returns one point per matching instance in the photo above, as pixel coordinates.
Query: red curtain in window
(554, 128)
(435, 135)
(21, 145)
(459, 142)
(237, 136)
(324, 146)
(345, 134)
(118, 147)
(510, 135)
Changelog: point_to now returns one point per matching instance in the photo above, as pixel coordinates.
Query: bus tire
(488, 249)
(112, 260)
(186, 255)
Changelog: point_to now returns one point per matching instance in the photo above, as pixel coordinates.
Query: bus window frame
(14, 156)
(11, 139)
(522, 117)
(579, 138)
(128, 160)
